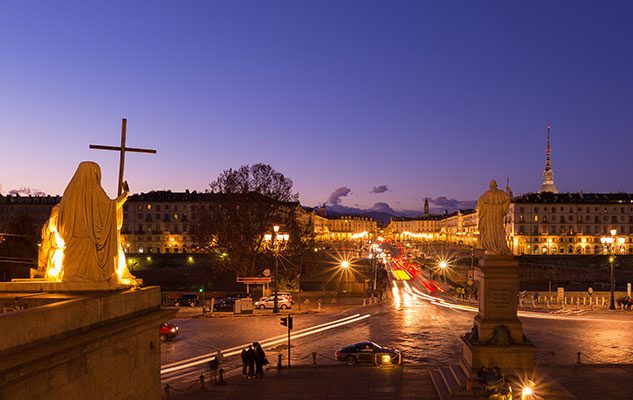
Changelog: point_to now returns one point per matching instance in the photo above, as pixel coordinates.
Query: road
(426, 331)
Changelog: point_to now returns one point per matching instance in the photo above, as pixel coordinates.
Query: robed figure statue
(492, 206)
(80, 241)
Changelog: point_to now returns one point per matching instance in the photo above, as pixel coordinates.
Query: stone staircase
(450, 384)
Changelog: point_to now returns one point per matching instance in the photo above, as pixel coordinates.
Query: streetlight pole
(610, 244)
(275, 241)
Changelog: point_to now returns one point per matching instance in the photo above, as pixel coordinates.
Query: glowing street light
(345, 264)
(276, 242)
(610, 247)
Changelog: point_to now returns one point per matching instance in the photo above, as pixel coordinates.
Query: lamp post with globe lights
(276, 242)
(612, 245)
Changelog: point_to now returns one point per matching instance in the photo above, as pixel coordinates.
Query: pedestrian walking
(260, 360)
(250, 360)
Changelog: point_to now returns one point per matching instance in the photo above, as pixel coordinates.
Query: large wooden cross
(122, 150)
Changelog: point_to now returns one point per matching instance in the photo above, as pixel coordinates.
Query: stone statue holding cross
(81, 240)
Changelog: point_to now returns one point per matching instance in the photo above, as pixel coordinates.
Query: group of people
(253, 361)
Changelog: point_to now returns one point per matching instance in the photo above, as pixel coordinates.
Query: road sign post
(287, 322)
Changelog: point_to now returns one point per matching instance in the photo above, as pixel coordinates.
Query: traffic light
(201, 290)
(287, 321)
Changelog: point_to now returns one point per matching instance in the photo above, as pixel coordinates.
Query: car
(268, 302)
(190, 300)
(240, 295)
(168, 331)
(225, 304)
(368, 352)
(288, 295)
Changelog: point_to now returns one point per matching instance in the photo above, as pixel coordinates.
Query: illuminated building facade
(569, 223)
(427, 227)
(344, 228)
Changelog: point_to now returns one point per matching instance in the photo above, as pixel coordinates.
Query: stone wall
(84, 347)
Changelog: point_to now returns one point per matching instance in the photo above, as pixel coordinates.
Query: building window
(149, 206)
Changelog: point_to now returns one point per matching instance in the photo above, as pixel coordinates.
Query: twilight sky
(393, 100)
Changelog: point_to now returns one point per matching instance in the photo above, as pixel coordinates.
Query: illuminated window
(149, 206)
(536, 218)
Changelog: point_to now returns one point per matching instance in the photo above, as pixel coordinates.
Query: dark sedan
(225, 304)
(368, 352)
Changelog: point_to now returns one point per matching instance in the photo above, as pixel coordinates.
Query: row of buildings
(546, 222)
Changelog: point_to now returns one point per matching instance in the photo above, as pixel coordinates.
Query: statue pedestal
(43, 285)
(497, 337)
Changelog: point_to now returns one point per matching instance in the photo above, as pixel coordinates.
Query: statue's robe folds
(88, 221)
(492, 207)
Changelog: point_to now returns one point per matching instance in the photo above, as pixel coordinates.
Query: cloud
(335, 197)
(380, 189)
(443, 202)
(24, 191)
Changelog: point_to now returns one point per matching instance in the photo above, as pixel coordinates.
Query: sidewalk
(584, 382)
(331, 382)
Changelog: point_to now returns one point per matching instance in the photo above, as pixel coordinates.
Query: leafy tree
(244, 205)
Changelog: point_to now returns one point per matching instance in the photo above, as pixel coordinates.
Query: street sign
(266, 272)
(470, 282)
(253, 280)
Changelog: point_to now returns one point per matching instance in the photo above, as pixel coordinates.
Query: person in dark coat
(244, 362)
(260, 358)
(250, 360)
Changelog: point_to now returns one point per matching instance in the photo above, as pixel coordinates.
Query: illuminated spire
(426, 206)
(548, 173)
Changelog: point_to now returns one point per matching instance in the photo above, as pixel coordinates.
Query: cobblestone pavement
(427, 334)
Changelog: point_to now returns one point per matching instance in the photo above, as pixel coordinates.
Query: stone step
(459, 374)
(449, 379)
(440, 385)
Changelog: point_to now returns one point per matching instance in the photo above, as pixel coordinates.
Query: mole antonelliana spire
(426, 206)
(548, 173)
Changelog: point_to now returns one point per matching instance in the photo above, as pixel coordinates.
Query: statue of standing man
(492, 207)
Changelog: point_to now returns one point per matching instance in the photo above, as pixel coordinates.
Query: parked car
(268, 302)
(288, 295)
(241, 295)
(225, 304)
(168, 331)
(365, 352)
(190, 300)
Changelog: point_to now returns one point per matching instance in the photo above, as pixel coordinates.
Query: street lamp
(610, 247)
(443, 266)
(276, 242)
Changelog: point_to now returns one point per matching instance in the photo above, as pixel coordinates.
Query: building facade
(344, 228)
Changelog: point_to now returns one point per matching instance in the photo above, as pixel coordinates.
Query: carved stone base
(509, 359)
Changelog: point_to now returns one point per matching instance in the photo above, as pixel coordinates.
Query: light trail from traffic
(275, 340)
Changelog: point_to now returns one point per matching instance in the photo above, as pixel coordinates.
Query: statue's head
(493, 184)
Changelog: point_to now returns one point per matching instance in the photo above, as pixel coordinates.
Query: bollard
(319, 308)
(167, 396)
(584, 301)
(314, 362)
(548, 304)
(279, 365)
(201, 381)
(221, 380)
(578, 358)
(364, 302)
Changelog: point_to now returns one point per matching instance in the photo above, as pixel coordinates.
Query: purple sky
(429, 98)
